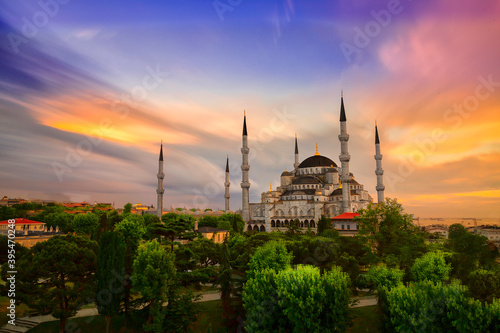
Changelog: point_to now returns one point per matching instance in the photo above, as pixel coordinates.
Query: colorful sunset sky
(88, 89)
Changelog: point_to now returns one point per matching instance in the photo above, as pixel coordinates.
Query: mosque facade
(316, 186)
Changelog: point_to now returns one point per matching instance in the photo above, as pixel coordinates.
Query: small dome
(317, 161)
(286, 173)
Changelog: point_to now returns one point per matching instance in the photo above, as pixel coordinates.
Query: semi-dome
(307, 180)
(317, 161)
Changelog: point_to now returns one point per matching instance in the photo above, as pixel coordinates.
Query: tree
(324, 223)
(272, 255)
(432, 267)
(208, 221)
(470, 252)
(224, 225)
(85, 223)
(5, 249)
(293, 228)
(433, 307)
(61, 220)
(236, 222)
(298, 300)
(484, 285)
(57, 276)
(110, 274)
(154, 274)
(391, 234)
(127, 209)
(131, 230)
(176, 227)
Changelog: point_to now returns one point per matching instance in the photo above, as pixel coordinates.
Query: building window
(342, 227)
(348, 227)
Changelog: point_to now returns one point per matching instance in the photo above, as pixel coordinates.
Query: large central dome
(317, 161)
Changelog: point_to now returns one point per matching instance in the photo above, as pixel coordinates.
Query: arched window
(262, 228)
(273, 224)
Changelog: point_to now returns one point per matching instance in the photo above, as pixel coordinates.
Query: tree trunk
(62, 325)
(108, 320)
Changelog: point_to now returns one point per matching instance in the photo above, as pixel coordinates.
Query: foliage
(298, 300)
(131, 230)
(432, 267)
(272, 255)
(470, 252)
(127, 209)
(225, 225)
(85, 223)
(176, 227)
(5, 248)
(59, 219)
(236, 222)
(382, 277)
(324, 223)
(208, 221)
(180, 312)
(206, 252)
(57, 276)
(434, 307)
(484, 285)
(109, 275)
(154, 274)
(391, 234)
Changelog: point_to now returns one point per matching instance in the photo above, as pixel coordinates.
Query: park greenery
(151, 271)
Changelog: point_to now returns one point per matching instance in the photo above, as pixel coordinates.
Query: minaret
(160, 190)
(226, 185)
(296, 164)
(344, 158)
(379, 171)
(245, 184)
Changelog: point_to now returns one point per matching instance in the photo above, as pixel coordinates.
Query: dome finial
(270, 187)
(340, 183)
(317, 153)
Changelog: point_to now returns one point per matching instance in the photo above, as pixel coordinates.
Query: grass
(368, 319)
(210, 318)
(21, 310)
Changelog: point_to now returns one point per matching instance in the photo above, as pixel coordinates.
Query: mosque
(316, 186)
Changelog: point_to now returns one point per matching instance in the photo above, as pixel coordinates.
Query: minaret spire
(245, 167)
(296, 164)
(344, 157)
(226, 185)
(160, 190)
(379, 171)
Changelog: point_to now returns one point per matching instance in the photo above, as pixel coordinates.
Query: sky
(89, 89)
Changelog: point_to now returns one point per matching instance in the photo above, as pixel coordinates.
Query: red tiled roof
(22, 221)
(345, 216)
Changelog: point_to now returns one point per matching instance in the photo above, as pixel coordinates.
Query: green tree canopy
(110, 274)
(85, 223)
(57, 276)
(432, 267)
(434, 307)
(208, 221)
(154, 274)
(272, 255)
(298, 300)
(390, 232)
(127, 209)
